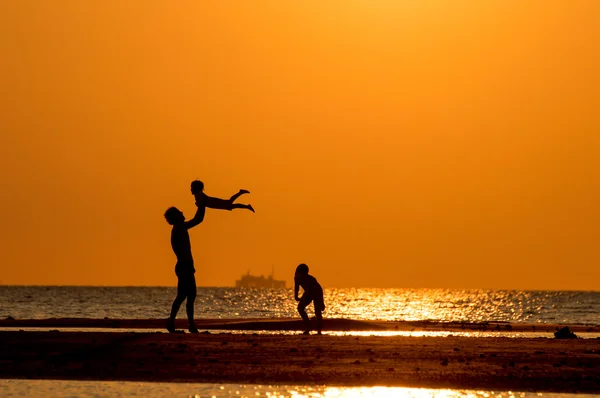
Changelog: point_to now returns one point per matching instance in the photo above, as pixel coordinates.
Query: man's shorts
(186, 285)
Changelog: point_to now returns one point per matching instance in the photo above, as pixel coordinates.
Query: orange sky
(407, 143)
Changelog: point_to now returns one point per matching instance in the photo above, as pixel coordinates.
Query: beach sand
(492, 363)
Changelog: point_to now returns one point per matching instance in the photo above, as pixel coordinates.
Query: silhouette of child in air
(202, 199)
(312, 292)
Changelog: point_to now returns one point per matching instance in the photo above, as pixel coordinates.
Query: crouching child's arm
(296, 289)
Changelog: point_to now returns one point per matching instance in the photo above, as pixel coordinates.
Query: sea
(444, 305)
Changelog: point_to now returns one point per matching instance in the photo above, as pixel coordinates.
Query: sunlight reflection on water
(59, 388)
(446, 305)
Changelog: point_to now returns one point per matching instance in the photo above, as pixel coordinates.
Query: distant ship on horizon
(253, 281)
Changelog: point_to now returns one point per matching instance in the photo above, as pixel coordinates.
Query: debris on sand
(564, 333)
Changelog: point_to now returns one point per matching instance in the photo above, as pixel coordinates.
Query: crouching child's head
(302, 270)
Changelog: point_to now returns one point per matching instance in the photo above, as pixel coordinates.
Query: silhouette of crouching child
(313, 292)
(202, 199)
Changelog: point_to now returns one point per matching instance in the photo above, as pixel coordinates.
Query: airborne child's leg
(225, 204)
(237, 195)
(240, 206)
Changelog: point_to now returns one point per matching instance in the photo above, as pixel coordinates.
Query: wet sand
(494, 363)
(294, 324)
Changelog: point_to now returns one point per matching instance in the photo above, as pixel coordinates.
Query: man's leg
(304, 302)
(189, 306)
(176, 304)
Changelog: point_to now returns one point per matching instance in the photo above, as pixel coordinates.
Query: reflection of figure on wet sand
(184, 269)
(202, 199)
(312, 292)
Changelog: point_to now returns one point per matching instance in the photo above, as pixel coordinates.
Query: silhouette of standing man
(184, 269)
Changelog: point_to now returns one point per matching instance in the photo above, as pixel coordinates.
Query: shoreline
(295, 324)
(491, 363)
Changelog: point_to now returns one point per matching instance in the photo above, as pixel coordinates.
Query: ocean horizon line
(324, 287)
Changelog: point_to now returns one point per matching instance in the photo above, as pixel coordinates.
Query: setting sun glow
(385, 143)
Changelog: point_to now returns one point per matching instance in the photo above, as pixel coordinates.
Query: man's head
(197, 187)
(174, 216)
(302, 269)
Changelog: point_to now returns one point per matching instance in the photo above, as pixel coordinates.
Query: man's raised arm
(198, 217)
